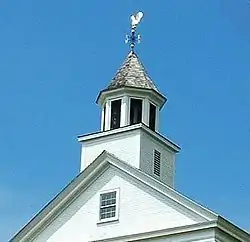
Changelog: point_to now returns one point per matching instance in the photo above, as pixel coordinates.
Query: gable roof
(132, 74)
(78, 185)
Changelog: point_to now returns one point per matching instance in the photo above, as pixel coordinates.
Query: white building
(125, 188)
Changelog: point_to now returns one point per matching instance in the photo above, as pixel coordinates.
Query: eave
(173, 146)
(127, 90)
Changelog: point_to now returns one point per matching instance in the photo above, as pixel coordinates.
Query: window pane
(107, 212)
(108, 196)
(108, 205)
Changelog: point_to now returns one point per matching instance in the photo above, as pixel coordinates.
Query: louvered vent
(157, 162)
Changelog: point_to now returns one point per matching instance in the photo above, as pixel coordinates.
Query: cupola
(130, 98)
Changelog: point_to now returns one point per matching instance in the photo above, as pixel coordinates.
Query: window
(115, 114)
(135, 111)
(108, 206)
(152, 114)
(157, 163)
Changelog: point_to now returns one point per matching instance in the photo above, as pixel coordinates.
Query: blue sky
(55, 56)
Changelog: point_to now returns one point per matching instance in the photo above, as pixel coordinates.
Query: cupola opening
(115, 114)
(135, 111)
(152, 116)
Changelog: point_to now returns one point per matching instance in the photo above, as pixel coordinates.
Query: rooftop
(132, 74)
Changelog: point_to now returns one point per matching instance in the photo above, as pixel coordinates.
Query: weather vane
(134, 38)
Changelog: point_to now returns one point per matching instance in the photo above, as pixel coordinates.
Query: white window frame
(117, 190)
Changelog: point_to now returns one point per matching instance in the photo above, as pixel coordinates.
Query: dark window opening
(157, 163)
(115, 114)
(152, 115)
(135, 111)
(104, 117)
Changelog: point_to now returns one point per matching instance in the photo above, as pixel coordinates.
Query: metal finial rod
(134, 38)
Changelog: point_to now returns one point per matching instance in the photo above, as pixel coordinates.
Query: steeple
(131, 105)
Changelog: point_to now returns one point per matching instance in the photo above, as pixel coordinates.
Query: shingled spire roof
(132, 74)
